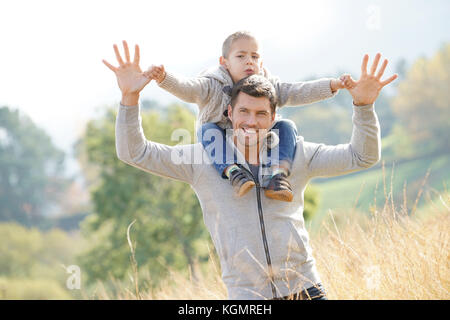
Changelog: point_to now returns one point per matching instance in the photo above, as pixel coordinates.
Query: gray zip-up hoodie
(211, 92)
(262, 243)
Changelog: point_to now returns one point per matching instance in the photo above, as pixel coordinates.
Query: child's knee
(209, 130)
(286, 125)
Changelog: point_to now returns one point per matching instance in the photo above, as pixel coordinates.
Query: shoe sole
(282, 195)
(245, 188)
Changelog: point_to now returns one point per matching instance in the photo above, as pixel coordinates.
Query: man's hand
(156, 73)
(130, 78)
(366, 89)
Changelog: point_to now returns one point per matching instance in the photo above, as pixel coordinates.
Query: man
(262, 244)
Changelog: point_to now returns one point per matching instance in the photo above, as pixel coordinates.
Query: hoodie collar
(220, 74)
(240, 157)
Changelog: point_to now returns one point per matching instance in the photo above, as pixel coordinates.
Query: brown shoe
(279, 188)
(241, 182)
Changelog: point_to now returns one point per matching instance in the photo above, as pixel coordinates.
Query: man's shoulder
(305, 149)
(188, 154)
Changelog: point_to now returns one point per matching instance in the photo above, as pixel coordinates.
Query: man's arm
(131, 145)
(191, 90)
(134, 149)
(364, 149)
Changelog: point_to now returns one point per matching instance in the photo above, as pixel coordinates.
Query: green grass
(360, 189)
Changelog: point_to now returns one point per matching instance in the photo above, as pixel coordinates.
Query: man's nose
(251, 121)
(249, 60)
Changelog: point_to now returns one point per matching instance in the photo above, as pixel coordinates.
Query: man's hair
(255, 86)
(231, 38)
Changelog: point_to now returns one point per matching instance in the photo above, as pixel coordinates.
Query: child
(211, 92)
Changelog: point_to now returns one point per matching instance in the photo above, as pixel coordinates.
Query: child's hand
(344, 82)
(347, 81)
(156, 73)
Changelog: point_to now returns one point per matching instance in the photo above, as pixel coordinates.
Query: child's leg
(283, 154)
(213, 140)
(280, 159)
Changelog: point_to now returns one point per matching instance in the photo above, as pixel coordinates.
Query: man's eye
(241, 56)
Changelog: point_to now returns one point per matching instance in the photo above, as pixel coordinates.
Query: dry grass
(207, 285)
(387, 254)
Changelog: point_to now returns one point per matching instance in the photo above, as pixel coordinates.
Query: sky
(51, 51)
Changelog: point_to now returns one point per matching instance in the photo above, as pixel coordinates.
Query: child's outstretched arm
(191, 90)
(301, 93)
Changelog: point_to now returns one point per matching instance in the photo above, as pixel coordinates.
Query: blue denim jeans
(213, 140)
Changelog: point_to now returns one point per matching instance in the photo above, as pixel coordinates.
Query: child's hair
(255, 86)
(231, 38)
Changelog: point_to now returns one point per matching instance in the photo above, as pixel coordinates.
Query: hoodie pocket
(227, 245)
(298, 241)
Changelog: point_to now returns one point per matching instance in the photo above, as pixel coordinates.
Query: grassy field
(386, 254)
(362, 190)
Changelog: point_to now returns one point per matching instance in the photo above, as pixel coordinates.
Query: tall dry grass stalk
(134, 265)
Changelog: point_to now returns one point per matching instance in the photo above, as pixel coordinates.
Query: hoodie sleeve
(134, 149)
(301, 93)
(363, 151)
(192, 90)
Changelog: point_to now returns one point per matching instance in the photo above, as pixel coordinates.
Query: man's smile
(250, 130)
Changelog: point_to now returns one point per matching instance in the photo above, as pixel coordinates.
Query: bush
(30, 289)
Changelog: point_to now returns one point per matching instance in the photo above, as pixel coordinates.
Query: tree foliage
(33, 262)
(422, 102)
(30, 169)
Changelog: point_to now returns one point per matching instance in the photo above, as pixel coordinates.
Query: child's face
(243, 59)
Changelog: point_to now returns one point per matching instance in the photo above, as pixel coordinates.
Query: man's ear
(230, 112)
(273, 116)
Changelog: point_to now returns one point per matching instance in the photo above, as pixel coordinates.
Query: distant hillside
(363, 189)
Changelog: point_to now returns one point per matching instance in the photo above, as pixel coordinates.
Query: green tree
(422, 102)
(30, 169)
(33, 253)
(169, 220)
(32, 262)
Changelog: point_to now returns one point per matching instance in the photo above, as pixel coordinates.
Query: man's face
(251, 118)
(243, 59)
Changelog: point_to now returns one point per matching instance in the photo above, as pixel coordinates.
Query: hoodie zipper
(263, 232)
